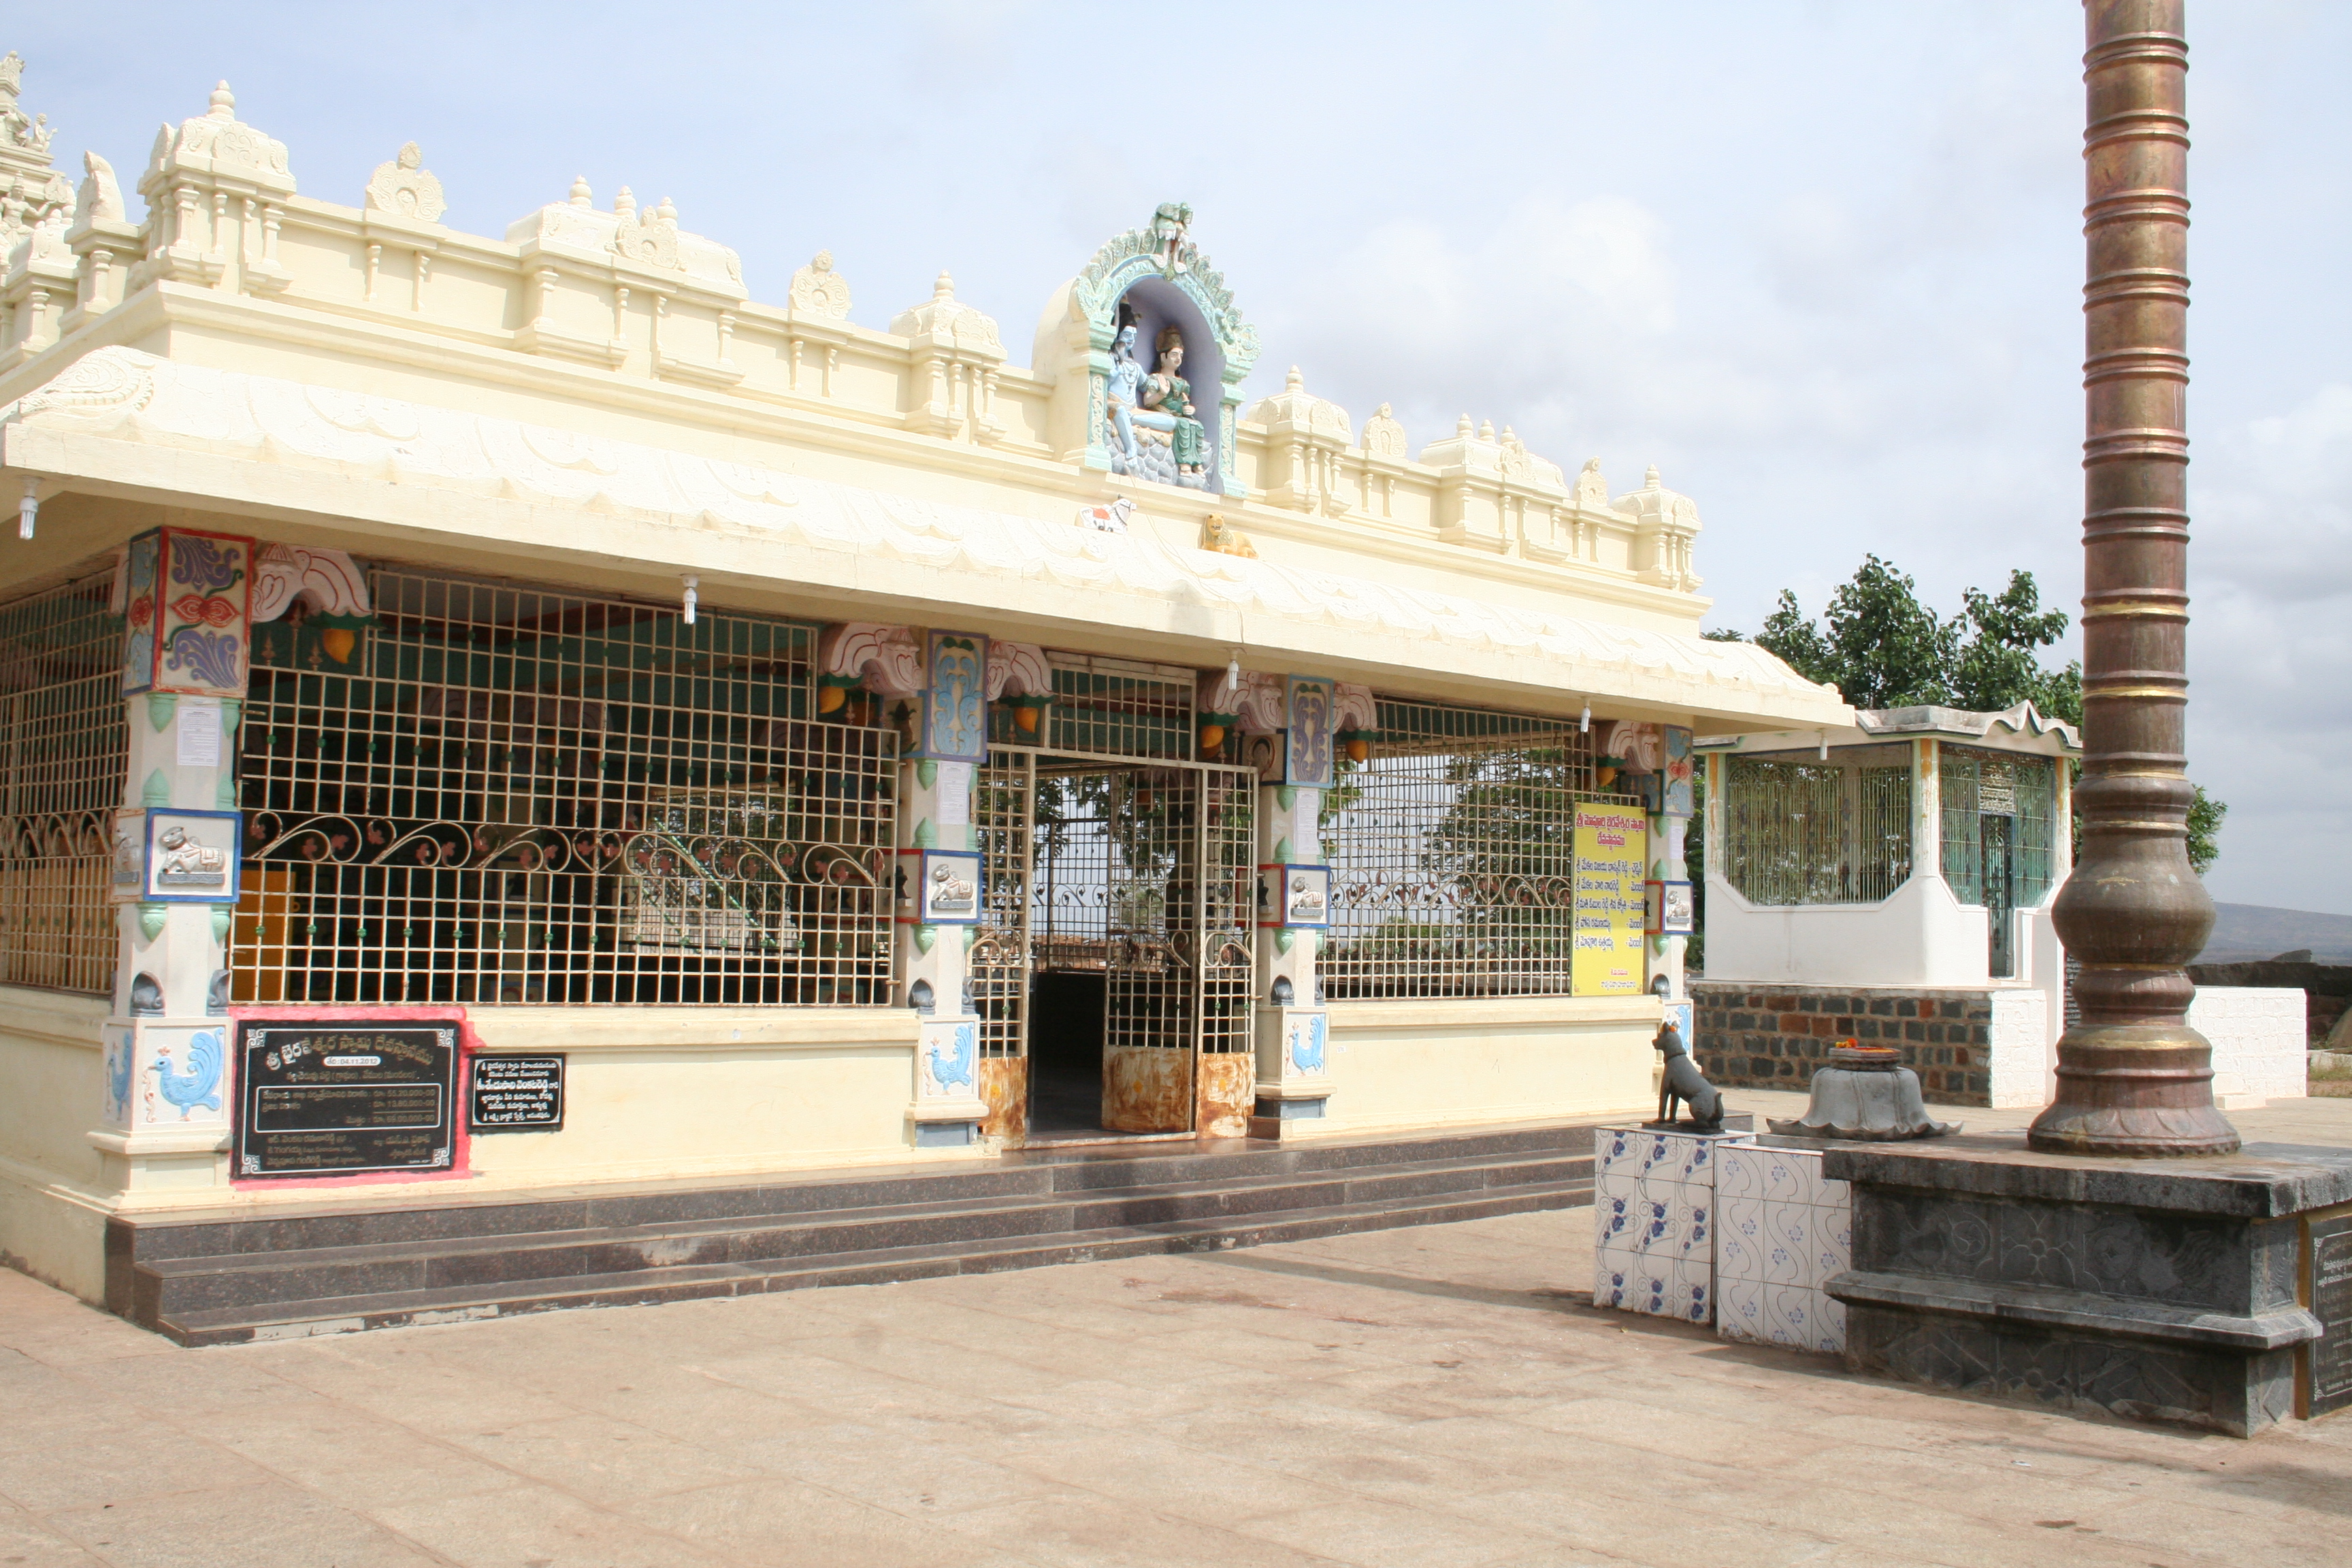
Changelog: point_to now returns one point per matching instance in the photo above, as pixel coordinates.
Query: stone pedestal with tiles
(1781, 1230)
(1654, 1228)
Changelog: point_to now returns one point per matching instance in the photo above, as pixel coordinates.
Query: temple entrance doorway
(1112, 969)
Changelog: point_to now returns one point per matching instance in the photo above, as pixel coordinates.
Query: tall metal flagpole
(2133, 1077)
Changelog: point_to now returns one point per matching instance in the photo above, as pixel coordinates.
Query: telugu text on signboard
(1612, 844)
(345, 1098)
(516, 1094)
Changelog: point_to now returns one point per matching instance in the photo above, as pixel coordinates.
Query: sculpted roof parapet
(1295, 410)
(1138, 372)
(941, 320)
(217, 144)
(1478, 451)
(819, 291)
(33, 195)
(650, 242)
(1164, 249)
(1655, 503)
(406, 188)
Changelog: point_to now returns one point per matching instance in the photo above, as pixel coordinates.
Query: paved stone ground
(1418, 1398)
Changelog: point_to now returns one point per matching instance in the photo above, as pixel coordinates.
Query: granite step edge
(239, 1324)
(1316, 1187)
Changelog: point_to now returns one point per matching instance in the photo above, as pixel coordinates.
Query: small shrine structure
(1888, 880)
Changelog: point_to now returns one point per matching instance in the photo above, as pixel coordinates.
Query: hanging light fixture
(693, 597)
(1584, 719)
(29, 511)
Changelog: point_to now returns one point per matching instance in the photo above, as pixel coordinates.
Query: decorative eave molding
(329, 581)
(1018, 669)
(1925, 721)
(116, 411)
(888, 659)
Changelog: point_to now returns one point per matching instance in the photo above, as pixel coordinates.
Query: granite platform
(2168, 1291)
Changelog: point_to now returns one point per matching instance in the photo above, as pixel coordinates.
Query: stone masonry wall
(1773, 1036)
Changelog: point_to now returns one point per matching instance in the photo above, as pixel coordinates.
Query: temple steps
(226, 1281)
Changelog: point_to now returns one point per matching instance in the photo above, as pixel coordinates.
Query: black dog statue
(1685, 1084)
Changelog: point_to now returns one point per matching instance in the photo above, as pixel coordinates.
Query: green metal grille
(1785, 831)
(1799, 830)
(63, 754)
(523, 796)
(1453, 854)
(1977, 783)
(1883, 860)
(1108, 708)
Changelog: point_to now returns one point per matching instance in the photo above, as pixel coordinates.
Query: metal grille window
(1003, 833)
(1799, 830)
(1452, 855)
(526, 796)
(1108, 707)
(1963, 851)
(1978, 783)
(63, 752)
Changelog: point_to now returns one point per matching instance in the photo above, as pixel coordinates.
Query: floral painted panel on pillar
(187, 604)
(1308, 752)
(955, 699)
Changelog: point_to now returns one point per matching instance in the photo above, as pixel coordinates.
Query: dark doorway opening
(1066, 1052)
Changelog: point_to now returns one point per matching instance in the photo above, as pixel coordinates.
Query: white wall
(1920, 936)
(2023, 1049)
(2260, 1042)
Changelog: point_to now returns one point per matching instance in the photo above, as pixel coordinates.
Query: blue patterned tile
(1740, 1309)
(1788, 1244)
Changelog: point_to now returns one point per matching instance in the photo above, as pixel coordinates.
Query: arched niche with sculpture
(1146, 332)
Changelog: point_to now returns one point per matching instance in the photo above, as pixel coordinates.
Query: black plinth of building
(2171, 1290)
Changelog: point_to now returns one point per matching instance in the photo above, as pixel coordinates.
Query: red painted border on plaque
(469, 1045)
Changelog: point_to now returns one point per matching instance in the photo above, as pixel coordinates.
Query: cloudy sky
(1819, 261)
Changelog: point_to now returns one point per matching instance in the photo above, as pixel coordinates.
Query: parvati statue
(1168, 406)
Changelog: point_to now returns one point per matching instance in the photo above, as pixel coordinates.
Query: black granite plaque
(516, 1094)
(2327, 1385)
(345, 1098)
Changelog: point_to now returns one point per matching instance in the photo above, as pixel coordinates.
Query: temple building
(516, 712)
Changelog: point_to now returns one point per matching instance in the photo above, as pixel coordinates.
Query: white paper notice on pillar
(950, 1049)
(199, 737)
(953, 801)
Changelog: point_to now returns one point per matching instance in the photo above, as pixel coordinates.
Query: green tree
(2205, 815)
(1883, 648)
(1999, 665)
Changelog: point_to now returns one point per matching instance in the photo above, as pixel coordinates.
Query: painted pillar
(177, 842)
(1294, 901)
(936, 886)
(1670, 895)
(1670, 840)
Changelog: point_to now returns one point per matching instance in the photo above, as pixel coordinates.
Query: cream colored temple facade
(824, 742)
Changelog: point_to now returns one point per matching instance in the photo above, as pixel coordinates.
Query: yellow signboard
(1612, 845)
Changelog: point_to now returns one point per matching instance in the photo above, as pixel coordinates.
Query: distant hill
(2254, 930)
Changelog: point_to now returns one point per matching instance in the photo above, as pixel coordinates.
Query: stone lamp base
(1865, 1093)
